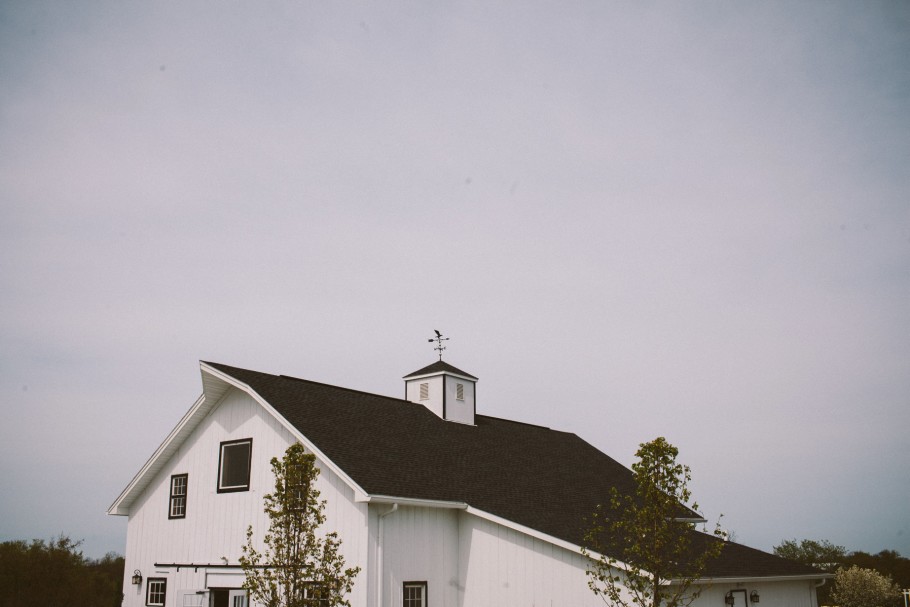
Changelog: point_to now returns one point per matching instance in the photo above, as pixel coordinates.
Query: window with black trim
(234, 465)
(177, 502)
(155, 591)
(414, 594)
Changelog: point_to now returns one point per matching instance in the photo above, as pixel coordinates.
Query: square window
(178, 496)
(313, 594)
(156, 591)
(415, 594)
(234, 465)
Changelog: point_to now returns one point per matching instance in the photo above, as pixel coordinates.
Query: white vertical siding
(501, 566)
(420, 545)
(434, 402)
(459, 410)
(215, 524)
(771, 594)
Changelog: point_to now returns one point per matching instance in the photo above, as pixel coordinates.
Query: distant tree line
(42, 574)
(861, 579)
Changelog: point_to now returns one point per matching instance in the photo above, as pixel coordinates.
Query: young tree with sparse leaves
(649, 553)
(298, 568)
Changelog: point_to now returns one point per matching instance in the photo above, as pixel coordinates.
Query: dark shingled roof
(544, 479)
(439, 365)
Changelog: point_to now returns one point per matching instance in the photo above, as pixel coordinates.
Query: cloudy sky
(688, 220)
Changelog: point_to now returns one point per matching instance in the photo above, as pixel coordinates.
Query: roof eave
(359, 493)
(763, 578)
(121, 505)
(435, 373)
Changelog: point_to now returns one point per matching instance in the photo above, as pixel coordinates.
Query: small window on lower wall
(156, 591)
(234, 465)
(414, 594)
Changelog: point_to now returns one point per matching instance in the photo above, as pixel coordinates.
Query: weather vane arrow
(439, 339)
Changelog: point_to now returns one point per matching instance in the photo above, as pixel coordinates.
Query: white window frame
(459, 391)
(425, 391)
(156, 582)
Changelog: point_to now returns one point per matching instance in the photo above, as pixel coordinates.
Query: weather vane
(439, 339)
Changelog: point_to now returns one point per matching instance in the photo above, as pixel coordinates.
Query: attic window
(178, 496)
(424, 391)
(459, 391)
(234, 465)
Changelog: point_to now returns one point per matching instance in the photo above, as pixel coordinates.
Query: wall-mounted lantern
(137, 578)
(728, 599)
(753, 596)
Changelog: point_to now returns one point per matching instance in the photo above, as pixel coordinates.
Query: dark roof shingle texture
(544, 479)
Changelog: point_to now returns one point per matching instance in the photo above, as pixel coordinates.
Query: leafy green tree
(42, 573)
(649, 554)
(297, 568)
(858, 587)
(821, 554)
(886, 562)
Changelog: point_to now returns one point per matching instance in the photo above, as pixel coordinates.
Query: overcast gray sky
(633, 220)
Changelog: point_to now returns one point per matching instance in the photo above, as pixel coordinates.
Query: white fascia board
(696, 521)
(532, 532)
(771, 578)
(120, 507)
(413, 502)
(359, 493)
(436, 373)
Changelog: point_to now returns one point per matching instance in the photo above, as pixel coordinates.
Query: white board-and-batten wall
(215, 524)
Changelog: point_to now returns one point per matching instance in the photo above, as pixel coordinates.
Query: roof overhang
(218, 380)
(436, 373)
(805, 577)
(413, 502)
(215, 384)
(165, 450)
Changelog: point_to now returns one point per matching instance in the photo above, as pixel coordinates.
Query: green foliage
(42, 573)
(649, 555)
(829, 557)
(298, 568)
(858, 587)
(824, 555)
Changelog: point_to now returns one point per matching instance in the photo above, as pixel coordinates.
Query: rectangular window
(234, 465)
(459, 391)
(313, 594)
(424, 391)
(415, 594)
(155, 592)
(296, 487)
(178, 496)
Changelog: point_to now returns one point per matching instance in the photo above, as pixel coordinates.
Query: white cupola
(448, 392)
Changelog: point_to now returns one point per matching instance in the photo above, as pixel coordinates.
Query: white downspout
(379, 554)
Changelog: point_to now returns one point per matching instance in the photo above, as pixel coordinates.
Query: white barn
(438, 505)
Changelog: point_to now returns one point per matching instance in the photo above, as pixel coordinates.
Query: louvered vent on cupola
(448, 392)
